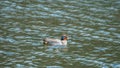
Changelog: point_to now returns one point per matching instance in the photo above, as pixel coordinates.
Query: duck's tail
(44, 41)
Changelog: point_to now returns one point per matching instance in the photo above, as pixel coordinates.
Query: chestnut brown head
(63, 37)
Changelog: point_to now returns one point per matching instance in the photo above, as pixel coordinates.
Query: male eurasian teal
(51, 41)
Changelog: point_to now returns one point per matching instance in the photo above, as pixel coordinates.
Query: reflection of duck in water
(51, 41)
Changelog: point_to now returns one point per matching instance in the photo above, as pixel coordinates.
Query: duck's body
(51, 41)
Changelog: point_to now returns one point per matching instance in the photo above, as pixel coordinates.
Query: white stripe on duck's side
(51, 41)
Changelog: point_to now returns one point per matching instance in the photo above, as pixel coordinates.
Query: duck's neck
(64, 42)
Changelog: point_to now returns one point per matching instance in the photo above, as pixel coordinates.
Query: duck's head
(64, 37)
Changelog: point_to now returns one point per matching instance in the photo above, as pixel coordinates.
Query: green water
(92, 26)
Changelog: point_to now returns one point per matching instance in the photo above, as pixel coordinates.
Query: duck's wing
(51, 41)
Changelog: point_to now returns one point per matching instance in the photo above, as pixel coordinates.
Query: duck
(52, 41)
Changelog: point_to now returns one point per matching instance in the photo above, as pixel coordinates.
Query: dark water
(93, 27)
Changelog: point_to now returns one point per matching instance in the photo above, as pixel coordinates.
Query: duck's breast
(64, 42)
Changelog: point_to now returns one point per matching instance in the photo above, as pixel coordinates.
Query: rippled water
(92, 25)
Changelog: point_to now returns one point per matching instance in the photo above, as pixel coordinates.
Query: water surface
(92, 27)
